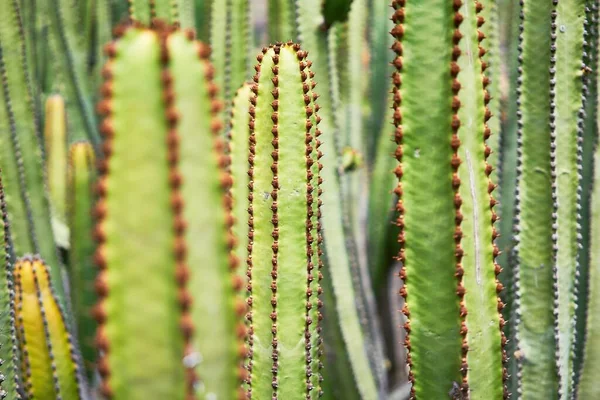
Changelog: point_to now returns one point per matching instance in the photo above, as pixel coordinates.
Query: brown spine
(455, 162)
(398, 33)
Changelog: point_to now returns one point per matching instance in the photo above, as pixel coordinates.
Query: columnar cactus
(548, 195)
(82, 271)
(49, 365)
(27, 201)
(284, 260)
(448, 266)
(9, 364)
(160, 265)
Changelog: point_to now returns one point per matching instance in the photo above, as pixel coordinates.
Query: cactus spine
(82, 272)
(169, 74)
(449, 261)
(48, 362)
(284, 277)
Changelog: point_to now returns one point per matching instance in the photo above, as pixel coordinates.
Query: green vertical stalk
(284, 267)
(82, 271)
(160, 93)
(31, 219)
(453, 327)
(535, 270)
(361, 336)
(587, 388)
(568, 120)
(590, 134)
(231, 41)
(281, 20)
(9, 367)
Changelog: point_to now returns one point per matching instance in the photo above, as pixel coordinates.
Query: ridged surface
(484, 339)
(31, 220)
(9, 363)
(82, 271)
(535, 276)
(364, 349)
(284, 277)
(568, 119)
(425, 89)
(48, 362)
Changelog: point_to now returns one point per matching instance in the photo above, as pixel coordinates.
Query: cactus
(48, 361)
(82, 272)
(284, 278)
(27, 202)
(9, 364)
(145, 67)
(449, 261)
(55, 139)
(587, 389)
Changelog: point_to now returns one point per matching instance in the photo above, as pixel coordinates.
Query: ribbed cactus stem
(449, 274)
(284, 240)
(82, 271)
(49, 365)
(55, 139)
(9, 363)
(535, 271)
(27, 201)
(159, 91)
(568, 117)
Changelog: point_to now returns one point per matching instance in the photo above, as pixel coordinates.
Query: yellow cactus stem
(49, 364)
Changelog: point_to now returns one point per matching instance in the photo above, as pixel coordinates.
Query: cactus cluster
(400, 201)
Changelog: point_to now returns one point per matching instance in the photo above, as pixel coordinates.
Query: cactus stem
(491, 187)
(179, 224)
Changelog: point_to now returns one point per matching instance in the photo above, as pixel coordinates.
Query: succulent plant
(206, 234)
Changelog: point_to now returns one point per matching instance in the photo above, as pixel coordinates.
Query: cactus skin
(9, 363)
(55, 139)
(587, 388)
(239, 148)
(449, 260)
(231, 42)
(282, 20)
(70, 55)
(27, 202)
(284, 277)
(534, 271)
(359, 335)
(48, 361)
(568, 117)
(485, 339)
(180, 163)
(82, 272)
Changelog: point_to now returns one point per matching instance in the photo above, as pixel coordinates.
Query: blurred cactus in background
(400, 200)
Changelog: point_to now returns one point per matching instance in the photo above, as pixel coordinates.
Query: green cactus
(9, 363)
(450, 260)
(82, 272)
(49, 364)
(27, 202)
(190, 285)
(284, 277)
(587, 389)
(282, 20)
